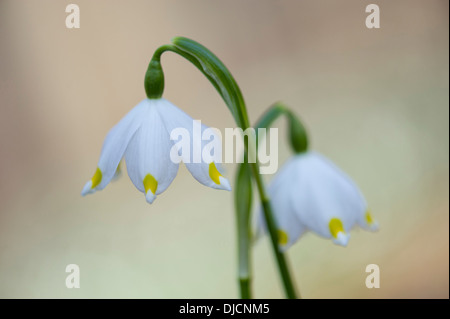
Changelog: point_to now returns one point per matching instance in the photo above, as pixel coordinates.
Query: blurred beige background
(375, 102)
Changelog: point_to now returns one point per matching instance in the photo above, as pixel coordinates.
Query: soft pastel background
(375, 102)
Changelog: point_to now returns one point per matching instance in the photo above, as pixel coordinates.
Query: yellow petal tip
(371, 222)
(336, 227)
(97, 178)
(214, 173)
(283, 237)
(150, 183)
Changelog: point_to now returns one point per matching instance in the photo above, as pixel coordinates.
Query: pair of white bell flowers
(309, 193)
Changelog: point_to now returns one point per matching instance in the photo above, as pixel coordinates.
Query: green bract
(154, 80)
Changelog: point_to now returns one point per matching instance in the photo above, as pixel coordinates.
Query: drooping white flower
(311, 193)
(143, 138)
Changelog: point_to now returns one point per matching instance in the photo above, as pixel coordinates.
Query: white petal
(150, 197)
(224, 183)
(354, 199)
(342, 239)
(374, 226)
(354, 203)
(87, 189)
(118, 172)
(289, 226)
(367, 222)
(323, 193)
(114, 147)
(149, 153)
(314, 203)
(202, 171)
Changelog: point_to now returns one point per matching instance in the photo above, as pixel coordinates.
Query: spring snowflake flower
(311, 193)
(143, 138)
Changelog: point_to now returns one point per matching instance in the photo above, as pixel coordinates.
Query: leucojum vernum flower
(309, 193)
(143, 137)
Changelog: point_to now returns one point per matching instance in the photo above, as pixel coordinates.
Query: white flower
(311, 193)
(143, 137)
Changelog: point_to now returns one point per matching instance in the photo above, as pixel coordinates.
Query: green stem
(289, 287)
(244, 285)
(243, 203)
(297, 136)
(230, 92)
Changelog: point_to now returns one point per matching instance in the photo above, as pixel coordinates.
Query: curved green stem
(298, 137)
(223, 81)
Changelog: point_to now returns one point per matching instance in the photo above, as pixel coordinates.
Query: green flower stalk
(225, 84)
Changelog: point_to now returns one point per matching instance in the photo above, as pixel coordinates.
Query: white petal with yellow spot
(311, 193)
(207, 173)
(114, 148)
(143, 138)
